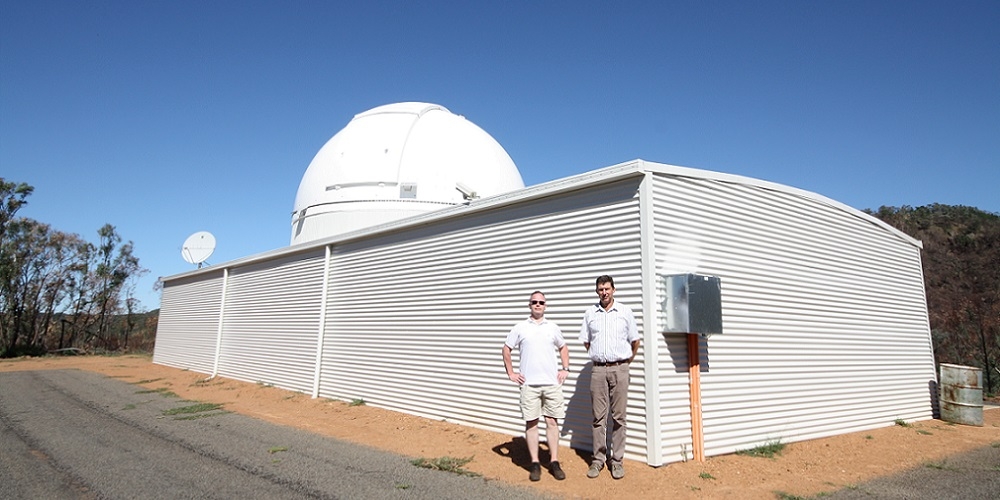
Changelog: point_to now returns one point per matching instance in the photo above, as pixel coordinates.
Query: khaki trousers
(609, 391)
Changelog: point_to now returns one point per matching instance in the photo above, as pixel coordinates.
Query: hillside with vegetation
(961, 263)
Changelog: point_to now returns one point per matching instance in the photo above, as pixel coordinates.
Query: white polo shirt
(538, 345)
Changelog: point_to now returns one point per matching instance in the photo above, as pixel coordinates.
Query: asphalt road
(68, 434)
(973, 475)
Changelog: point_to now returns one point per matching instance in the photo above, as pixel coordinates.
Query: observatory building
(415, 248)
(395, 161)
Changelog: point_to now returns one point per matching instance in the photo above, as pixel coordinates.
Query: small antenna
(198, 247)
(468, 193)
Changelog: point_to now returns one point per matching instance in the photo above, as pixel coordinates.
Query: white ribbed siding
(427, 309)
(825, 319)
(271, 321)
(186, 335)
(672, 389)
(823, 308)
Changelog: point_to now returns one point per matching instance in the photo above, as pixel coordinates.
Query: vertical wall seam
(650, 348)
(322, 322)
(222, 315)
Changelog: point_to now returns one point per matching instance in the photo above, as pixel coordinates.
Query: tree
(50, 280)
(115, 267)
(12, 198)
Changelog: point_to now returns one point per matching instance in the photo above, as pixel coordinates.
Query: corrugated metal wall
(824, 313)
(417, 319)
(825, 319)
(189, 322)
(271, 325)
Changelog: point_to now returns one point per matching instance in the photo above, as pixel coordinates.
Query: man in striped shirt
(611, 337)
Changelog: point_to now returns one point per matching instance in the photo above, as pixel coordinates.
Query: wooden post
(694, 381)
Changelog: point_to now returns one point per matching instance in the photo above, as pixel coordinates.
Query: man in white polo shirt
(537, 339)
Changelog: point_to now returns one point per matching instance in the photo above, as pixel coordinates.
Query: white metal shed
(825, 318)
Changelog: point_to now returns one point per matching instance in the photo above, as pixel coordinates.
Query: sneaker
(595, 469)
(617, 471)
(536, 472)
(557, 471)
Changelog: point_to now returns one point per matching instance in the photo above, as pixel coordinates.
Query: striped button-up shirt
(609, 332)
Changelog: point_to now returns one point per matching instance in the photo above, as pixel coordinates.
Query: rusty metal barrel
(961, 394)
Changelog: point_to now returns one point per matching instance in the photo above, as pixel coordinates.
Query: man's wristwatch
(565, 369)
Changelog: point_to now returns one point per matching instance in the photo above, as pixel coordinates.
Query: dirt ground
(802, 469)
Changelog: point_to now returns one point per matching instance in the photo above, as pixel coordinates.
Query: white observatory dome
(395, 161)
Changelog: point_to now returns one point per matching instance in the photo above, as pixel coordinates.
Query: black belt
(612, 363)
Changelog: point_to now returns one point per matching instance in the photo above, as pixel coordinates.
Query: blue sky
(167, 118)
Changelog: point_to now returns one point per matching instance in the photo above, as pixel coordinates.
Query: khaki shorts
(542, 400)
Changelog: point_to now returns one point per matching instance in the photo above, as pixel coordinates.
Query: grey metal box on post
(690, 303)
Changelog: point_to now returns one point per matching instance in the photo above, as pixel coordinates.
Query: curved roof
(396, 160)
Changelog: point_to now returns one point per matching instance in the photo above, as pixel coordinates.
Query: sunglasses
(538, 302)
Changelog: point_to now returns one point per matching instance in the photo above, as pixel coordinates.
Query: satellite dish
(198, 247)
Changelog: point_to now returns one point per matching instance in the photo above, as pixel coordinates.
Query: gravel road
(81, 435)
